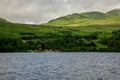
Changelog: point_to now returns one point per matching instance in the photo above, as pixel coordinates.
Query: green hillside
(88, 18)
(91, 31)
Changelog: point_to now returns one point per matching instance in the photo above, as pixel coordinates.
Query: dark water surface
(60, 66)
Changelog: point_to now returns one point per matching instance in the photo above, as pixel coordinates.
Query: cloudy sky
(40, 11)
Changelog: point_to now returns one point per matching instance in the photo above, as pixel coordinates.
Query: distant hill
(2, 20)
(113, 13)
(88, 18)
(84, 19)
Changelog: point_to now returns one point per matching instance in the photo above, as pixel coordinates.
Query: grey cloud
(38, 11)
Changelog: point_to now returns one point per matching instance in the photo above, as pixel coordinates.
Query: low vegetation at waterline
(65, 41)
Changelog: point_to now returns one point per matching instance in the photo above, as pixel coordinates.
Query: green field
(10, 30)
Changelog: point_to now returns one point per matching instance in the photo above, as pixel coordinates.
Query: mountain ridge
(87, 18)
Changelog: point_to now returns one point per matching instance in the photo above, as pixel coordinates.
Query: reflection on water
(60, 66)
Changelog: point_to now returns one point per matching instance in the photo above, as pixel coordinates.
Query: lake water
(60, 66)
